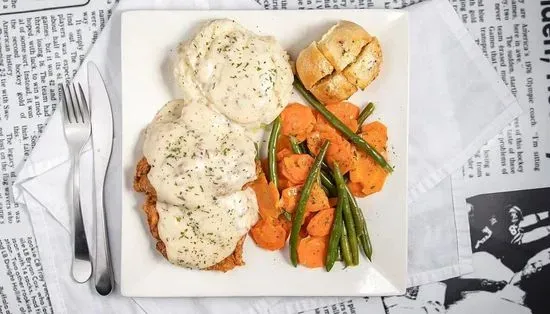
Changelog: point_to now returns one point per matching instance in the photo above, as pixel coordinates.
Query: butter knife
(102, 142)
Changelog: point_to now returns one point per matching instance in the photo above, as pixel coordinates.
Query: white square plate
(148, 38)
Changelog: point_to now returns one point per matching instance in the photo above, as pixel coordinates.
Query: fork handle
(81, 268)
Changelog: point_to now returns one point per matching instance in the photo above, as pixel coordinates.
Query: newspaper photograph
(507, 182)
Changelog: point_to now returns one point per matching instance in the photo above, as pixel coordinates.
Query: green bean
(301, 206)
(325, 168)
(350, 243)
(327, 179)
(360, 225)
(350, 231)
(326, 182)
(327, 192)
(336, 232)
(345, 247)
(296, 148)
(272, 150)
(304, 147)
(365, 113)
(338, 224)
(340, 126)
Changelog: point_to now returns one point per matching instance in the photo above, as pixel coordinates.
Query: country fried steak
(142, 184)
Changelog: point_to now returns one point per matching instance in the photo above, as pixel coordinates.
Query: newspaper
(42, 43)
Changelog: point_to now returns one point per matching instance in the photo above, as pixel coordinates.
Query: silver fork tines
(77, 126)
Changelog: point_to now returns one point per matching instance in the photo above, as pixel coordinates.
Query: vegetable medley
(319, 159)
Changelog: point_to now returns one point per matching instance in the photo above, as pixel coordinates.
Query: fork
(77, 127)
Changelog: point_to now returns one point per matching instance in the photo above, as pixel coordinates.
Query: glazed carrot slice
(367, 174)
(321, 223)
(283, 142)
(307, 218)
(340, 150)
(286, 224)
(376, 134)
(356, 188)
(272, 189)
(345, 112)
(267, 196)
(297, 120)
(296, 167)
(315, 142)
(312, 251)
(332, 201)
(281, 154)
(289, 198)
(284, 183)
(268, 235)
(343, 155)
(317, 198)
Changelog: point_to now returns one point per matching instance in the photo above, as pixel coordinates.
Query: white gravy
(244, 76)
(199, 164)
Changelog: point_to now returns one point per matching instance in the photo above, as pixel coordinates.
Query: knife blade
(102, 143)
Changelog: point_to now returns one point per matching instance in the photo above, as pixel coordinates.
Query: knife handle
(103, 275)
